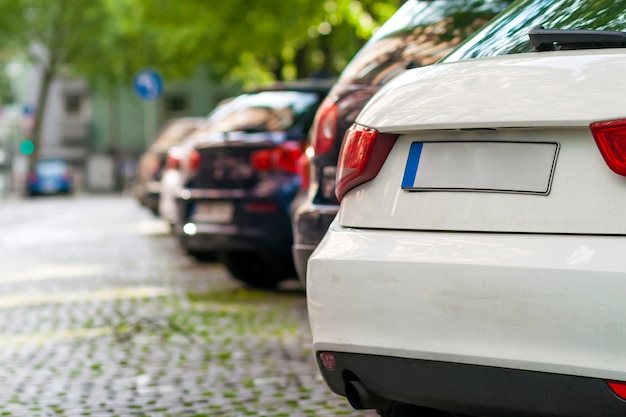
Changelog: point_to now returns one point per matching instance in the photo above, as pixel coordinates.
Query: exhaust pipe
(361, 399)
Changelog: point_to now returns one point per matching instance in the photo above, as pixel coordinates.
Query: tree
(253, 41)
(261, 40)
(52, 35)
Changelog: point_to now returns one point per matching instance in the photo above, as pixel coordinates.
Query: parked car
(244, 176)
(476, 265)
(173, 173)
(50, 176)
(418, 34)
(150, 166)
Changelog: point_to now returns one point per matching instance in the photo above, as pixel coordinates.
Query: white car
(176, 166)
(477, 265)
(171, 185)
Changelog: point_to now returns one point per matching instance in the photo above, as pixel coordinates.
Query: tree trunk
(302, 62)
(114, 134)
(47, 76)
(276, 66)
(328, 66)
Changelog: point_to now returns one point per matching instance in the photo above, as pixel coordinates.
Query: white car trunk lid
(541, 89)
(513, 156)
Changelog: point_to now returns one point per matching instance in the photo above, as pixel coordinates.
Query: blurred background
(91, 82)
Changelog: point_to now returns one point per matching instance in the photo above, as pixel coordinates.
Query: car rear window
(418, 34)
(267, 111)
(51, 167)
(174, 133)
(508, 33)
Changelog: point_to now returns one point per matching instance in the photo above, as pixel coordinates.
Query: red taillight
(619, 388)
(193, 160)
(32, 178)
(172, 161)
(304, 170)
(363, 153)
(284, 158)
(327, 359)
(261, 160)
(262, 207)
(324, 130)
(288, 157)
(610, 137)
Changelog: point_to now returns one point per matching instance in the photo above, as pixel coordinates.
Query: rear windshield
(508, 34)
(175, 132)
(51, 167)
(419, 33)
(267, 111)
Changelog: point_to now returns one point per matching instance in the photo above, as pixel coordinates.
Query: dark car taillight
(362, 155)
(304, 169)
(610, 137)
(283, 158)
(324, 130)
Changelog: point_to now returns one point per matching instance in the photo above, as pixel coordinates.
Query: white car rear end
(482, 269)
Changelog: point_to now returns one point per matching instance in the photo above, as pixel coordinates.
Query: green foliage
(51, 33)
(6, 92)
(252, 40)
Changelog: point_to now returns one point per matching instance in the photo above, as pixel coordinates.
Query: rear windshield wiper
(552, 39)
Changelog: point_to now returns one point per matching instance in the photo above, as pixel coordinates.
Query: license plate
(213, 213)
(49, 186)
(506, 167)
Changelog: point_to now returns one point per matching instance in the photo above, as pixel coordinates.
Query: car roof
(314, 85)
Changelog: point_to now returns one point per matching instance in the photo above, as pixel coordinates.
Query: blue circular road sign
(148, 84)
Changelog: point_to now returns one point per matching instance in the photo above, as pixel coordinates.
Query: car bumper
(50, 187)
(545, 303)
(210, 237)
(248, 230)
(475, 390)
(309, 227)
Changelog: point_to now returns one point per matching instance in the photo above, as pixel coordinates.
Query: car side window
(419, 34)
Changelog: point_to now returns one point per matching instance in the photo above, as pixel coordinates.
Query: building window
(73, 103)
(176, 103)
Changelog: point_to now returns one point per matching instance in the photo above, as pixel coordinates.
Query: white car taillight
(619, 388)
(362, 155)
(173, 158)
(610, 137)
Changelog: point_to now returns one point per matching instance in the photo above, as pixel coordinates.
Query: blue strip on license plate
(412, 164)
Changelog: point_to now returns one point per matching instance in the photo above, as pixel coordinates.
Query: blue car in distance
(50, 176)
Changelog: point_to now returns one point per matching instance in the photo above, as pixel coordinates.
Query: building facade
(101, 133)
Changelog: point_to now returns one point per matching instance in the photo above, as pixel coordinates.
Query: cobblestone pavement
(101, 315)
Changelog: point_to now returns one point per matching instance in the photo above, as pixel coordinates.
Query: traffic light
(27, 147)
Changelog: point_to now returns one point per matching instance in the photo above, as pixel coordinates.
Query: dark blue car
(50, 176)
(243, 174)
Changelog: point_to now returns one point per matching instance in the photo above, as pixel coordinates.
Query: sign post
(148, 85)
